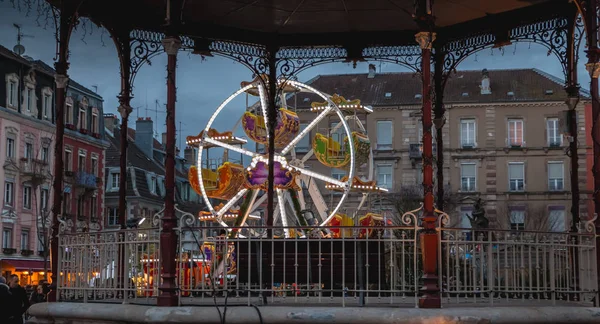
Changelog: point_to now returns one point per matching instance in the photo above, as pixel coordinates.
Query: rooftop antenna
(157, 110)
(20, 49)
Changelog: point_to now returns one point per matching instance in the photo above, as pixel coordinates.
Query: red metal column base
(430, 290)
(167, 298)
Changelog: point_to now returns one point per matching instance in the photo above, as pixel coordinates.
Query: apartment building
(27, 140)
(502, 142)
(145, 175)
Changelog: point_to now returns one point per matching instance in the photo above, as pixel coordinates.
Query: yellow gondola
(229, 179)
(332, 154)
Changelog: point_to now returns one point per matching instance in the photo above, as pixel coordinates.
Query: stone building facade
(503, 142)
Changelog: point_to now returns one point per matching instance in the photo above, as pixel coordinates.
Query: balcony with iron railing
(34, 168)
(86, 180)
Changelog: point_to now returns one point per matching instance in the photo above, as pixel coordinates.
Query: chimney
(144, 135)
(111, 122)
(485, 82)
(189, 155)
(372, 71)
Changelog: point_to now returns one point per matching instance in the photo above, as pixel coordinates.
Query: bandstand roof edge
(323, 23)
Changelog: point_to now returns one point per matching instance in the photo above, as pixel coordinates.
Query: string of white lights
(201, 148)
(263, 105)
(306, 130)
(284, 221)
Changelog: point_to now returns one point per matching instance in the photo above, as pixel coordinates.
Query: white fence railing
(334, 266)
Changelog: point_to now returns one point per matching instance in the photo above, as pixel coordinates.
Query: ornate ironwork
(551, 34)
(407, 56)
(293, 60)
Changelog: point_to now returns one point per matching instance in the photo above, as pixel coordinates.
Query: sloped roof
(131, 134)
(404, 88)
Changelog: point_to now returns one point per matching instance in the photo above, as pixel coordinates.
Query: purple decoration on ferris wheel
(259, 174)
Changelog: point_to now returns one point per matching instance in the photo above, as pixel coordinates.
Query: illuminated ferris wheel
(241, 187)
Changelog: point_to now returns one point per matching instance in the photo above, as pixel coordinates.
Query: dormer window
(465, 94)
(306, 99)
(69, 111)
(114, 180)
(12, 91)
(549, 92)
(485, 83)
(418, 96)
(82, 118)
(29, 98)
(46, 103)
(388, 95)
(95, 125)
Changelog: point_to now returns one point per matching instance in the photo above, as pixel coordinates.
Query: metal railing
(501, 266)
(343, 266)
(91, 270)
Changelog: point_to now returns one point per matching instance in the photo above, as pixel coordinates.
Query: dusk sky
(203, 85)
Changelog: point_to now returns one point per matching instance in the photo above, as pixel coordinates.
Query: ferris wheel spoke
(263, 105)
(230, 147)
(307, 156)
(320, 176)
(230, 203)
(282, 214)
(307, 130)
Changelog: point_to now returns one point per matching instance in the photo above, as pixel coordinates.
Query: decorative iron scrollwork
(407, 56)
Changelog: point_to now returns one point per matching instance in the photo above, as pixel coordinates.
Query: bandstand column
(168, 237)
(593, 67)
(428, 237)
(67, 22)
(122, 43)
(439, 121)
(272, 123)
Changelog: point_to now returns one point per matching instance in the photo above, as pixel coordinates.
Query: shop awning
(26, 265)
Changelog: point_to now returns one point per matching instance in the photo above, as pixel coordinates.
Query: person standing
(39, 295)
(5, 301)
(19, 302)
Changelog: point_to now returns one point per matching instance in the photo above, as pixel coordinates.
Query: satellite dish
(19, 49)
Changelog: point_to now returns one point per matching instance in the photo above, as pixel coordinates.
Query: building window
(94, 127)
(112, 216)
(9, 193)
(47, 105)
(114, 183)
(10, 148)
(12, 93)
(29, 99)
(27, 197)
(45, 194)
(68, 160)
(28, 151)
(94, 166)
(515, 132)
(69, 111)
(67, 203)
(467, 133)
(45, 155)
(185, 188)
(556, 219)
(384, 135)
(384, 176)
(81, 161)
(553, 132)
(556, 176)
(465, 213)
(24, 239)
(468, 172)
(7, 238)
(517, 219)
(82, 121)
(338, 174)
(152, 184)
(516, 176)
(303, 145)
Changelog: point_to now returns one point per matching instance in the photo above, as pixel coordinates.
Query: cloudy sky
(203, 85)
